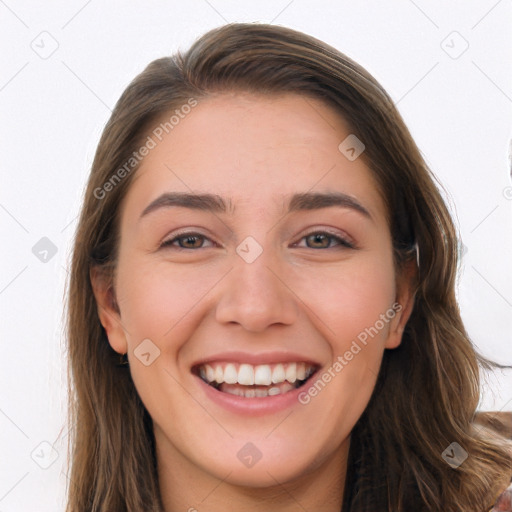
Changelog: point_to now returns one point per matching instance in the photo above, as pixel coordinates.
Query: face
(256, 314)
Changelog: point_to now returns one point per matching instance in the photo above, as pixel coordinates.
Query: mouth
(255, 381)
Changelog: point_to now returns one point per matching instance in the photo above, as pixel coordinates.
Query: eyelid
(168, 241)
(344, 239)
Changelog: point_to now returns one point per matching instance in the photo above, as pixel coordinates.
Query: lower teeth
(258, 391)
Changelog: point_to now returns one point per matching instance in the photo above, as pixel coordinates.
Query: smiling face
(271, 273)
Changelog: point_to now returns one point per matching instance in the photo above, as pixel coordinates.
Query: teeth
(260, 375)
(235, 391)
(230, 374)
(278, 375)
(263, 375)
(301, 371)
(291, 373)
(219, 374)
(252, 392)
(245, 374)
(210, 374)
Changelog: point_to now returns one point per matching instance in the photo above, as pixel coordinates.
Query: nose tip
(255, 297)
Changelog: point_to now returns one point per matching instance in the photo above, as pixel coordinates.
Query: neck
(185, 487)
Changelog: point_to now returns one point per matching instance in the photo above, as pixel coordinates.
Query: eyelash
(342, 242)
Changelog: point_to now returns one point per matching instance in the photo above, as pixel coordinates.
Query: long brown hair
(428, 388)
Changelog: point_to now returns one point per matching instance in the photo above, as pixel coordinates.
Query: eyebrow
(206, 202)
(216, 204)
(318, 200)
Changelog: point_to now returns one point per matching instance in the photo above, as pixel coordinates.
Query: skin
(297, 296)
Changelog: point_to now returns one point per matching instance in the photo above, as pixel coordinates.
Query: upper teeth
(262, 374)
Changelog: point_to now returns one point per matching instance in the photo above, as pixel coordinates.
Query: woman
(265, 248)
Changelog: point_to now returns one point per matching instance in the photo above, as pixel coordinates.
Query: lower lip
(257, 406)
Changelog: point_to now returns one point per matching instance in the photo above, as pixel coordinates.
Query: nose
(256, 295)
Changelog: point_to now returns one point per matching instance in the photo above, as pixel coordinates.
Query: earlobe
(405, 303)
(108, 309)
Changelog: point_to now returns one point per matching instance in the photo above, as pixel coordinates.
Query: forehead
(254, 150)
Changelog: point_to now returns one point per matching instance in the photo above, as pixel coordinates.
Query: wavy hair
(428, 388)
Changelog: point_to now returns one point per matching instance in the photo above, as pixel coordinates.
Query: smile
(251, 381)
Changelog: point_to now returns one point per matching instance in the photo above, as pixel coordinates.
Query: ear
(404, 303)
(108, 310)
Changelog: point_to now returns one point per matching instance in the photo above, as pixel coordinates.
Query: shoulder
(500, 423)
(504, 503)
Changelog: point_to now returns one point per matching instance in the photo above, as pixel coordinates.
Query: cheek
(351, 299)
(157, 300)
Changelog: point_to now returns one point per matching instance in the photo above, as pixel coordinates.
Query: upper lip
(256, 359)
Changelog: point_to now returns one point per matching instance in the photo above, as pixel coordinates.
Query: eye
(186, 241)
(314, 240)
(325, 240)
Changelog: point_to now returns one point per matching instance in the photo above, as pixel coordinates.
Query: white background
(457, 105)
